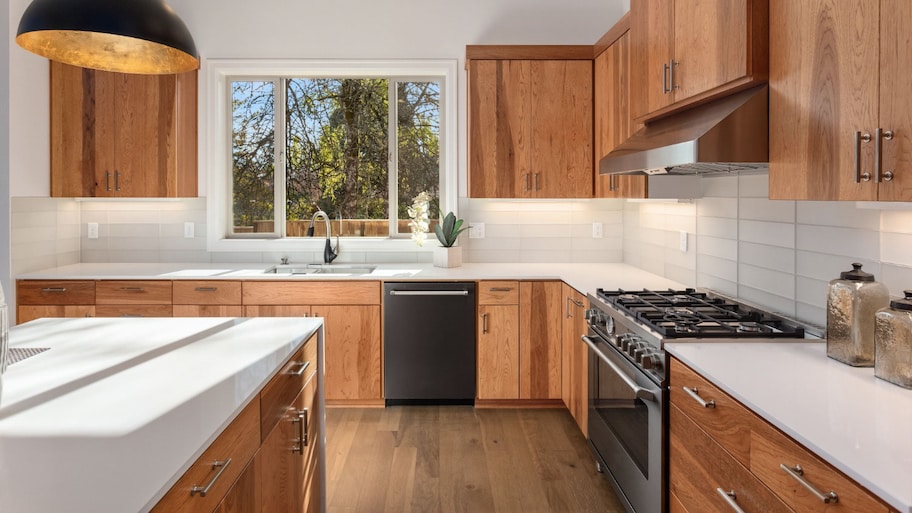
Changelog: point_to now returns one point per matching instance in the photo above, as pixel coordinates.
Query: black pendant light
(128, 36)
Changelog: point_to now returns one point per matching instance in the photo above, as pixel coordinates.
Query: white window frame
(217, 157)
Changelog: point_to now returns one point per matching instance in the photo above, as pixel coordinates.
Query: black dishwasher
(429, 342)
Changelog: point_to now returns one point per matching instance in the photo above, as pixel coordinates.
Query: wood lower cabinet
(689, 51)
(276, 458)
(530, 126)
(54, 298)
(837, 75)
(519, 340)
(133, 298)
(351, 312)
(725, 446)
(575, 358)
(121, 134)
(207, 298)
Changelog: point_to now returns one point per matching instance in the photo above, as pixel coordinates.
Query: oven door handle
(641, 393)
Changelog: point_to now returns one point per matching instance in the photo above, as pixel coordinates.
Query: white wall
(359, 29)
(5, 123)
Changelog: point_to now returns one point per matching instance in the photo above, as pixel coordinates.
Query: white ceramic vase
(447, 257)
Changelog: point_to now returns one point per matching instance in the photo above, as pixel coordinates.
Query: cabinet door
(561, 117)
(823, 83)
(242, 496)
(575, 358)
(895, 101)
(352, 353)
(499, 113)
(652, 50)
(280, 468)
(277, 311)
(498, 352)
(540, 339)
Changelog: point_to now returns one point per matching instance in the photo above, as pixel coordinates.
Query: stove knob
(635, 345)
(640, 352)
(625, 340)
(651, 361)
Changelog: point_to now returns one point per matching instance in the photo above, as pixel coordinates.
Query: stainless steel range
(628, 386)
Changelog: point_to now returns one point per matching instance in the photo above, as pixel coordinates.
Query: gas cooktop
(692, 313)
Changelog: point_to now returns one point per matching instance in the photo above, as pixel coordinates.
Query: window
(356, 140)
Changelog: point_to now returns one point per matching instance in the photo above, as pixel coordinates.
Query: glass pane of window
(418, 147)
(253, 156)
(337, 154)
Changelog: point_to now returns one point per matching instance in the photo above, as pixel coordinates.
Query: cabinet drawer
(498, 293)
(56, 292)
(208, 311)
(238, 442)
(29, 312)
(724, 419)
(133, 292)
(210, 292)
(279, 394)
(698, 467)
(133, 311)
(770, 449)
(311, 292)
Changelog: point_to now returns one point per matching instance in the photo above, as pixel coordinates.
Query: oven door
(626, 416)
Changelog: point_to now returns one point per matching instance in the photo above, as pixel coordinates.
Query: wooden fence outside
(349, 228)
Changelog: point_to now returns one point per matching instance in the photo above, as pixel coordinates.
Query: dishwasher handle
(429, 292)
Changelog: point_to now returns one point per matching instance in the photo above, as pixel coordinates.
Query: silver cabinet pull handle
(536, 181)
(132, 289)
(797, 473)
(730, 498)
(692, 392)
(116, 180)
(107, 180)
(879, 135)
(579, 304)
(859, 176)
(203, 490)
(54, 289)
(301, 420)
(206, 289)
(300, 372)
(500, 289)
(567, 315)
(527, 181)
(484, 323)
(665, 88)
(671, 75)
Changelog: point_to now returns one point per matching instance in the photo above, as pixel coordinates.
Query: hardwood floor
(425, 459)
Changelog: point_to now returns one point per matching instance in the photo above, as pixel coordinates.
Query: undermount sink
(321, 269)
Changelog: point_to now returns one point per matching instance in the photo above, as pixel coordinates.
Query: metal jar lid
(856, 274)
(904, 303)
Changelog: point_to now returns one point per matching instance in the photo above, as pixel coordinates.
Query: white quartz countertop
(860, 424)
(583, 277)
(114, 412)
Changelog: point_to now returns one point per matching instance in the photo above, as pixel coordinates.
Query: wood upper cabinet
(840, 121)
(575, 357)
(530, 128)
(122, 135)
(613, 122)
(689, 51)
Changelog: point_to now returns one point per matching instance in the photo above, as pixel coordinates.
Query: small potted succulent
(447, 231)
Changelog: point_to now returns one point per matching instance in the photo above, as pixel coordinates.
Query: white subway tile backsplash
(772, 302)
(769, 233)
(811, 292)
(753, 185)
(837, 213)
(769, 257)
(896, 248)
(767, 280)
(718, 227)
(718, 267)
(720, 186)
(714, 246)
(811, 314)
(826, 267)
(709, 281)
(539, 231)
(896, 221)
(839, 241)
(897, 278)
(492, 256)
(762, 209)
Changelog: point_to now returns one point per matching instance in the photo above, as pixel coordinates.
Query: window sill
(316, 244)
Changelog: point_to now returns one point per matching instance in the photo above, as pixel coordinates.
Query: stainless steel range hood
(724, 136)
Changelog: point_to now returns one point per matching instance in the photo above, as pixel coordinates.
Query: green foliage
(449, 229)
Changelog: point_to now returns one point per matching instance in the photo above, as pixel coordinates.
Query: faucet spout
(329, 253)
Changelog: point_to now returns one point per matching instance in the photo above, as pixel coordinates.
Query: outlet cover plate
(476, 230)
(597, 230)
(92, 230)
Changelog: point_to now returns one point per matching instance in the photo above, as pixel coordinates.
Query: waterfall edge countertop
(115, 410)
(860, 424)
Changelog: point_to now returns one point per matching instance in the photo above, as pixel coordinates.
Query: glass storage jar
(893, 342)
(852, 302)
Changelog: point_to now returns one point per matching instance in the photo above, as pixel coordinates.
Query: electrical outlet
(188, 230)
(597, 231)
(476, 231)
(683, 243)
(92, 230)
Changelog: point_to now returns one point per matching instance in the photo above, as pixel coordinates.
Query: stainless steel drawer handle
(859, 176)
(730, 499)
(693, 392)
(484, 323)
(300, 372)
(206, 289)
(132, 289)
(54, 289)
(301, 420)
(798, 474)
(500, 289)
(879, 135)
(203, 490)
(429, 293)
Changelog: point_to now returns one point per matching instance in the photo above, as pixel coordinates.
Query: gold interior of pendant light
(110, 52)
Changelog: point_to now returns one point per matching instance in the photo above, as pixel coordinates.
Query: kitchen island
(853, 421)
(114, 411)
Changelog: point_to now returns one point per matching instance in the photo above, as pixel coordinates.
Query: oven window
(626, 415)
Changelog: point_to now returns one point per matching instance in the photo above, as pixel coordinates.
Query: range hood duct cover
(724, 136)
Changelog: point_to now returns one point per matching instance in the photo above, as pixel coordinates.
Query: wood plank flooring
(425, 459)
